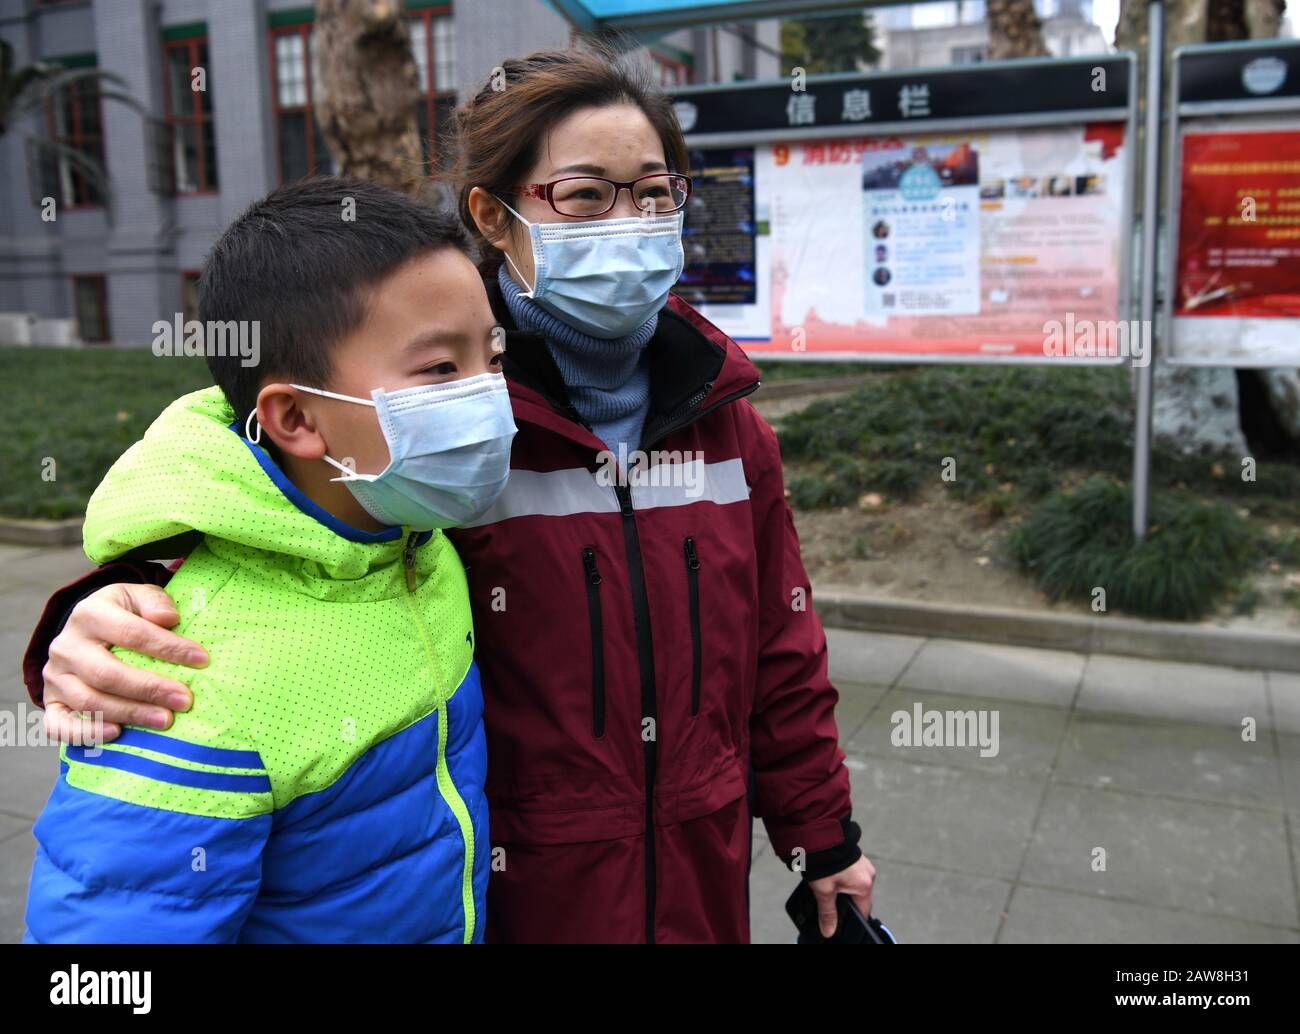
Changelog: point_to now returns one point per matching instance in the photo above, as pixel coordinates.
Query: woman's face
(616, 141)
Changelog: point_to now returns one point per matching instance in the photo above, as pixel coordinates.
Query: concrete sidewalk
(1123, 804)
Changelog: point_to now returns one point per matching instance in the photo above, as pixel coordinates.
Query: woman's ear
(489, 215)
(288, 423)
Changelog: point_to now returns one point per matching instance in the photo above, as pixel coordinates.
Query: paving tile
(1174, 691)
(27, 775)
(870, 657)
(16, 851)
(1289, 755)
(42, 570)
(1018, 673)
(1041, 916)
(770, 883)
(1189, 855)
(1208, 762)
(856, 702)
(943, 816)
(1027, 736)
(921, 905)
(1284, 693)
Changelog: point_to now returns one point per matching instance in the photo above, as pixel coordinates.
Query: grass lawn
(81, 409)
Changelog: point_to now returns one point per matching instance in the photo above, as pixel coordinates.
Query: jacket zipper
(597, 643)
(645, 649)
(408, 560)
(677, 425)
(693, 597)
(646, 666)
(645, 642)
(446, 785)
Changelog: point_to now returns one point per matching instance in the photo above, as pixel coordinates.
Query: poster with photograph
(921, 217)
(1236, 296)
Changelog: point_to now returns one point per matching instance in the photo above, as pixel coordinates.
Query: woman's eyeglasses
(587, 196)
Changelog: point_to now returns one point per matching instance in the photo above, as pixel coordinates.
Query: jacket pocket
(693, 599)
(592, 578)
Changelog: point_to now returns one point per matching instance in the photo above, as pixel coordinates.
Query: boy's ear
(288, 422)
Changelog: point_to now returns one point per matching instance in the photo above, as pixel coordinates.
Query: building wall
(945, 45)
(151, 240)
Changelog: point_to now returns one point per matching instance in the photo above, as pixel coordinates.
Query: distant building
(178, 179)
(936, 35)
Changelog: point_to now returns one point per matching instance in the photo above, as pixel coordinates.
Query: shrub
(1075, 542)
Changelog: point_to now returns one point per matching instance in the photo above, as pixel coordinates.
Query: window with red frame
(90, 303)
(189, 114)
(670, 72)
(76, 121)
(294, 87)
(432, 43)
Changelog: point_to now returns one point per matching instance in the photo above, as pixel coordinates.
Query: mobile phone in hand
(851, 926)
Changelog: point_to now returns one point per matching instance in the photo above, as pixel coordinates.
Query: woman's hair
(497, 134)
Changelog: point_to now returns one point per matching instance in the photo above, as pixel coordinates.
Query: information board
(1233, 294)
(926, 234)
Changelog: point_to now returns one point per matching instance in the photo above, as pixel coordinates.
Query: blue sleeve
(113, 870)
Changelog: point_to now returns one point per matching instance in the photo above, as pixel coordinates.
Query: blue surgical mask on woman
(605, 277)
(448, 447)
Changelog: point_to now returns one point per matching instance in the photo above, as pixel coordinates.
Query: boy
(328, 783)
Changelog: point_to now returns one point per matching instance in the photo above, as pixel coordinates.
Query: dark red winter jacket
(644, 646)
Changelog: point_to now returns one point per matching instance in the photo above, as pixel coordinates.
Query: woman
(644, 634)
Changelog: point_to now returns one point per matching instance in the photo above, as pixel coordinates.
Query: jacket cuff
(827, 862)
(59, 607)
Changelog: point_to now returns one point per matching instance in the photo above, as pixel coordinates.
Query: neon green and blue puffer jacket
(328, 783)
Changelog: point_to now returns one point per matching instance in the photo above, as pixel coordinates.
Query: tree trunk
(366, 105)
(1014, 30)
(1197, 409)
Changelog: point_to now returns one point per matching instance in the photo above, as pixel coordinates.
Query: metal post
(1150, 235)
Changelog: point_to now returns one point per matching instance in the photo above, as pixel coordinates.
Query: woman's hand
(81, 675)
(856, 881)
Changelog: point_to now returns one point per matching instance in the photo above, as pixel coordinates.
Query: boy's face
(427, 323)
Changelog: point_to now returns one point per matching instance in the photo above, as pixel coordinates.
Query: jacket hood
(194, 475)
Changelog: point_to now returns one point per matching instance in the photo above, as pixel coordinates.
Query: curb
(1156, 640)
(41, 533)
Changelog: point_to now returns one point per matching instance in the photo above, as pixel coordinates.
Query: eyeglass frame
(545, 191)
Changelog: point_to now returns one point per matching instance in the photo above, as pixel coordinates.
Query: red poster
(1239, 226)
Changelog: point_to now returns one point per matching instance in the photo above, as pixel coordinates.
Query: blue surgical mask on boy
(449, 452)
(605, 277)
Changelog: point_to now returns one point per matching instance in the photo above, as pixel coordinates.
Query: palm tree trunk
(1014, 30)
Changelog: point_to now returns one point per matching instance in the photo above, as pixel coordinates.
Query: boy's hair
(299, 262)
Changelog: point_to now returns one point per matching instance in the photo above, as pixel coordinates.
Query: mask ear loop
(248, 425)
(533, 289)
(348, 473)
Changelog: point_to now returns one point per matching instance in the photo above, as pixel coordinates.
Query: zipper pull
(408, 560)
(692, 560)
(589, 565)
